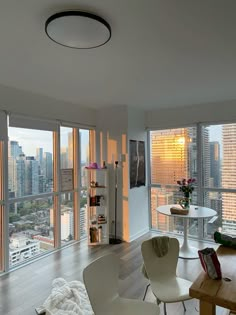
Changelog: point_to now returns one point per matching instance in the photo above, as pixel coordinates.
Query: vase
(185, 202)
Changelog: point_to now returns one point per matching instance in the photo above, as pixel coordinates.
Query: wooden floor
(26, 288)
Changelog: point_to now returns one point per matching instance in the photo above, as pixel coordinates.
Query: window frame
(5, 201)
(201, 189)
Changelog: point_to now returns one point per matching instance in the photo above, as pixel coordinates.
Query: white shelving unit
(98, 203)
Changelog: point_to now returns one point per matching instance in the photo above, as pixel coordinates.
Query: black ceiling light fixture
(78, 29)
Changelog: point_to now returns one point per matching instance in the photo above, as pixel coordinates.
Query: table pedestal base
(188, 252)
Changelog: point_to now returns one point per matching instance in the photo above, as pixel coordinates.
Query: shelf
(97, 187)
(98, 206)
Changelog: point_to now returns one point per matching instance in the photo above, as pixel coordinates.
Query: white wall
(111, 134)
(30, 104)
(115, 127)
(138, 197)
(211, 112)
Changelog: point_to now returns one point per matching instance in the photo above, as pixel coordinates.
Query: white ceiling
(163, 53)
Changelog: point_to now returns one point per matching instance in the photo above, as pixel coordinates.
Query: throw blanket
(160, 245)
(67, 298)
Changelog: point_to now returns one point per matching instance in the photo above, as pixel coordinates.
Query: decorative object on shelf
(115, 240)
(95, 201)
(186, 186)
(101, 219)
(93, 165)
(100, 233)
(93, 234)
(104, 164)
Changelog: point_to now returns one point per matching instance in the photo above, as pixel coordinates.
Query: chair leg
(146, 291)
(184, 306)
(165, 313)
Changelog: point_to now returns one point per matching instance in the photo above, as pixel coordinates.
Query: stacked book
(102, 219)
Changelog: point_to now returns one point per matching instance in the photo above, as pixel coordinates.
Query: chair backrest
(101, 282)
(160, 268)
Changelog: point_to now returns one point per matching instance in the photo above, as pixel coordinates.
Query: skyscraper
(14, 150)
(39, 158)
(70, 150)
(20, 165)
(215, 164)
(229, 177)
(47, 165)
(31, 176)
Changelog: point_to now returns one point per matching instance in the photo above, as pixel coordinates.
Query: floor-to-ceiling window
(85, 154)
(219, 176)
(41, 187)
(67, 202)
(173, 157)
(203, 152)
(30, 191)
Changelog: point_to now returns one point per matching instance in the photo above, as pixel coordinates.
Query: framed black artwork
(137, 163)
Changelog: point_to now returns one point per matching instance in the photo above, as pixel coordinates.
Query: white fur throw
(67, 298)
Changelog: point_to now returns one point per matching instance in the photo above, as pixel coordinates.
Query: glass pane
(31, 231)
(67, 217)
(66, 137)
(164, 223)
(173, 157)
(84, 160)
(219, 161)
(30, 162)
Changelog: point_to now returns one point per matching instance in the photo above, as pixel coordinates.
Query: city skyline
(34, 139)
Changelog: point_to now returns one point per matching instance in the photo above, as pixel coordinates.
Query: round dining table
(195, 212)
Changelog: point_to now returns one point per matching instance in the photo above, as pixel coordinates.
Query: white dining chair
(161, 272)
(101, 282)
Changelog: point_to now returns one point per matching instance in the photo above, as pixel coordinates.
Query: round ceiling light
(77, 29)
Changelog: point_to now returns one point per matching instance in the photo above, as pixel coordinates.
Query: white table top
(194, 211)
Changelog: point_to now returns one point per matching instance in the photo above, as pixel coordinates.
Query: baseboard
(139, 234)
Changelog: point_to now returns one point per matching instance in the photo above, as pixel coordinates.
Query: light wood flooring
(26, 288)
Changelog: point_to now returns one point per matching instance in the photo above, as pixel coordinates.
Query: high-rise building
(31, 176)
(14, 150)
(67, 222)
(64, 158)
(70, 150)
(39, 158)
(229, 177)
(27, 179)
(12, 175)
(215, 164)
(20, 166)
(47, 165)
(169, 163)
